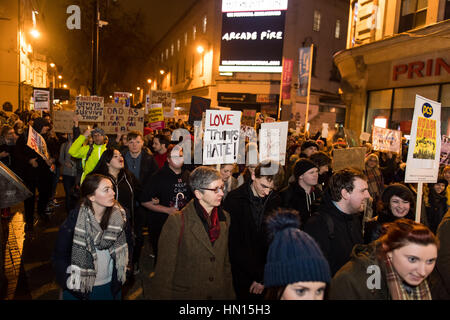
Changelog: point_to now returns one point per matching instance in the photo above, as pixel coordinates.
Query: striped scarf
(374, 182)
(89, 236)
(401, 291)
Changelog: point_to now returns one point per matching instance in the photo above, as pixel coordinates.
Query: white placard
(283, 131)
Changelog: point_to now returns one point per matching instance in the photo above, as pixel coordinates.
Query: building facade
(188, 72)
(395, 50)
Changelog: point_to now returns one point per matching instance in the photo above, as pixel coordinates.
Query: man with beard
(336, 226)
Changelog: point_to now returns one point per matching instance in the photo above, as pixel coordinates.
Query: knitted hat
(293, 255)
(399, 190)
(303, 165)
(39, 123)
(440, 179)
(309, 143)
(98, 130)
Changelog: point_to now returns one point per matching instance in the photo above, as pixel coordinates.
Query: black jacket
(336, 244)
(248, 243)
(436, 209)
(373, 227)
(148, 166)
(294, 197)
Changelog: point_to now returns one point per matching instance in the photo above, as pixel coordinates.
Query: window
(337, 30)
(185, 38)
(317, 16)
(167, 54)
(162, 56)
(171, 50)
(178, 45)
(194, 32)
(413, 14)
(204, 24)
(447, 10)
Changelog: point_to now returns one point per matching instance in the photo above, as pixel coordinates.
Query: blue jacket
(62, 254)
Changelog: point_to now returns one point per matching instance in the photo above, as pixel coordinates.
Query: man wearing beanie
(336, 226)
(35, 172)
(301, 193)
(296, 268)
(90, 155)
(308, 148)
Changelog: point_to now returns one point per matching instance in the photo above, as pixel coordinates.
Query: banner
(198, 106)
(13, 190)
(122, 98)
(41, 99)
(424, 149)
(221, 136)
(165, 99)
(445, 151)
(90, 108)
(249, 117)
(303, 70)
(282, 128)
(37, 143)
(287, 79)
(349, 158)
(386, 140)
(120, 119)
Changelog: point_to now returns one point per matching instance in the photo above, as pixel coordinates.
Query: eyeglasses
(216, 190)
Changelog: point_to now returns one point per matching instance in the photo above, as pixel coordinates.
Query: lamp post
(95, 31)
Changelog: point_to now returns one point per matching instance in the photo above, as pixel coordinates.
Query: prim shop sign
(422, 70)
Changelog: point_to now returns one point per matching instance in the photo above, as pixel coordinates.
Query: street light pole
(95, 32)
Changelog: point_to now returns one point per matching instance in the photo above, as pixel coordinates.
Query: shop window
(185, 39)
(413, 14)
(445, 109)
(447, 10)
(317, 18)
(379, 107)
(337, 29)
(205, 20)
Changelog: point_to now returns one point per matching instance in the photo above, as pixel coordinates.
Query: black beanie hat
(309, 143)
(399, 190)
(301, 166)
(293, 255)
(39, 123)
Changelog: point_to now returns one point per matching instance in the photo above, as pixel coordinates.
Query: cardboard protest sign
(365, 136)
(198, 106)
(221, 136)
(349, 158)
(90, 108)
(165, 99)
(386, 140)
(269, 144)
(445, 150)
(13, 190)
(63, 121)
(283, 130)
(41, 99)
(424, 149)
(37, 143)
(155, 117)
(123, 98)
(249, 117)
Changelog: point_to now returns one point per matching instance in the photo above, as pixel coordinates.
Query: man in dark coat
(35, 172)
(248, 206)
(301, 194)
(336, 225)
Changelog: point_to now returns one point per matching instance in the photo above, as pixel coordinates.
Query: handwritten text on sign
(221, 137)
(90, 108)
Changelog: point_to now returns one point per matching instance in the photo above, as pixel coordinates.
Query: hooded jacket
(77, 150)
(336, 244)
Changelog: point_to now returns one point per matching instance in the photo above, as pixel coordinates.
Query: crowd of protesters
(252, 231)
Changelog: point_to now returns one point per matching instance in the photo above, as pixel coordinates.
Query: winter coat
(435, 209)
(351, 281)
(77, 150)
(294, 197)
(373, 227)
(189, 267)
(336, 244)
(248, 240)
(148, 166)
(440, 277)
(62, 257)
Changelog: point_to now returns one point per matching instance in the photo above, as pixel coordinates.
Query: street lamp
(52, 65)
(138, 88)
(161, 71)
(149, 81)
(65, 86)
(35, 33)
(200, 49)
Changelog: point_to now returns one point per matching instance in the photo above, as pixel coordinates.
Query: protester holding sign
(34, 170)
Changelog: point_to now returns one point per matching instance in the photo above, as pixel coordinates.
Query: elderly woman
(395, 267)
(193, 261)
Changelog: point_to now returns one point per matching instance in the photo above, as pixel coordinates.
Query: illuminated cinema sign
(252, 35)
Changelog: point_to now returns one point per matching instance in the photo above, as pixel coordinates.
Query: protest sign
(122, 98)
(155, 117)
(386, 140)
(13, 190)
(198, 106)
(349, 158)
(269, 144)
(221, 136)
(365, 136)
(283, 130)
(41, 99)
(445, 150)
(63, 121)
(90, 108)
(37, 143)
(425, 142)
(165, 99)
(249, 117)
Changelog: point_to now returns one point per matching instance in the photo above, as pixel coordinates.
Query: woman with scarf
(395, 267)
(91, 252)
(398, 202)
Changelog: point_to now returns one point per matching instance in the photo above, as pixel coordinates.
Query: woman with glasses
(193, 261)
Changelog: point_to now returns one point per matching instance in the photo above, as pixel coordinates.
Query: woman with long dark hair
(91, 251)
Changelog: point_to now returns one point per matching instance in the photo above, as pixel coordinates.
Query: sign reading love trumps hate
(221, 136)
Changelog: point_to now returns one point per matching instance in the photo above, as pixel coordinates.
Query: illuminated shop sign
(252, 36)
